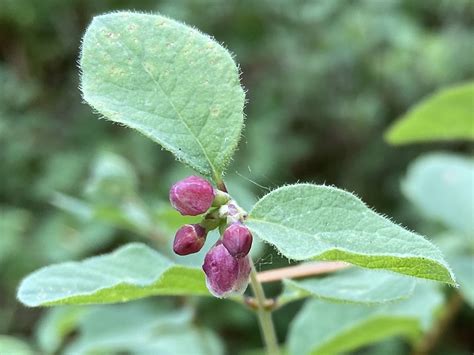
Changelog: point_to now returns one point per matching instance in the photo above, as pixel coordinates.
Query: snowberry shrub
(181, 89)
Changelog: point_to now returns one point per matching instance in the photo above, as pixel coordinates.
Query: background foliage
(324, 80)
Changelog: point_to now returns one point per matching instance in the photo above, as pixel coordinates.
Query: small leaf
(170, 82)
(131, 272)
(446, 115)
(307, 221)
(344, 327)
(353, 285)
(441, 186)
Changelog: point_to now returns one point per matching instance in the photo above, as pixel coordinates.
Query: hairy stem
(264, 314)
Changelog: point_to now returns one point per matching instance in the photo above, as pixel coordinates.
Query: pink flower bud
(189, 239)
(192, 196)
(225, 275)
(237, 239)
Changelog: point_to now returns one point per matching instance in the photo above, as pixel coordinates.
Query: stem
(301, 270)
(264, 315)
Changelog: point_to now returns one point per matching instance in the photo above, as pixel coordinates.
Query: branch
(301, 270)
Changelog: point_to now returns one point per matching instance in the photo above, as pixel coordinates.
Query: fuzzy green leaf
(344, 327)
(463, 266)
(446, 115)
(170, 82)
(441, 186)
(353, 285)
(307, 221)
(131, 272)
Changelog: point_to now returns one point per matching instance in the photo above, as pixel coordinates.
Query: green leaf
(170, 82)
(463, 267)
(58, 238)
(344, 327)
(131, 214)
(141, 328)
(389, 346)
(14, 346)
(112, 179)
(201, 341)
(353, 285)
(441, 186)
(137, 327)
(459, 251)
(56, 324)
(131, 272)
(74, 206)
(446, 115)
(307, 221)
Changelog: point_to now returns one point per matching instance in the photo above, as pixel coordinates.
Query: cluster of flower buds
(226, 264)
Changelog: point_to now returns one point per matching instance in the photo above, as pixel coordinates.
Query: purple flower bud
(238, 240)
(189, 239)
(192, 196)
(225, 275)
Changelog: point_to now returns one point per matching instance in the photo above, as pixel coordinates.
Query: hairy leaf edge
(212, 172)
(70, 300)
(324, 256)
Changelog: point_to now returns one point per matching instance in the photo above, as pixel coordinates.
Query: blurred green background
(324, 80)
